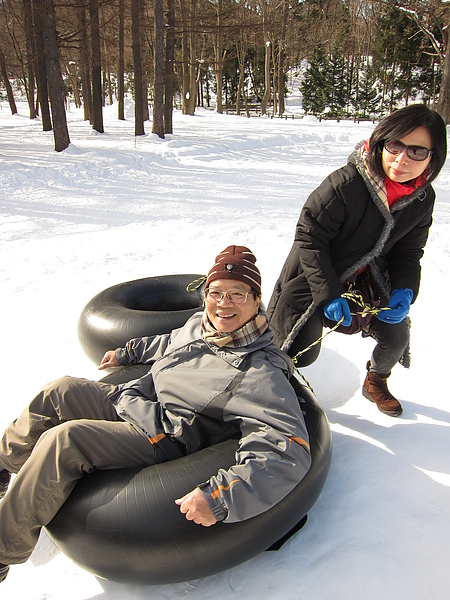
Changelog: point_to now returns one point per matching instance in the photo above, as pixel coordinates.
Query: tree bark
(281, 60)
(158, 86)
(169, 67)
(184, 57)
(97, 93)
(218, 52)
(40, 69)
(54, 77)
(121, 63)
(9, 92)
(142, 29)
(85, 61)
(443, 103)
(193, 59)
(266, 96)
(138, 94)
(31, 51)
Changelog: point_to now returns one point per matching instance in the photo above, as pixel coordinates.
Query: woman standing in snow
(364, 228)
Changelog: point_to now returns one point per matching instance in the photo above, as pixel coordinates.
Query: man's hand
(194, 506)
(109, 360)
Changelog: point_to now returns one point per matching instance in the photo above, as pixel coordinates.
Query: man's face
(226, 316)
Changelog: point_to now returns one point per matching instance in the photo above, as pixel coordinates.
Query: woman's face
(401, 168)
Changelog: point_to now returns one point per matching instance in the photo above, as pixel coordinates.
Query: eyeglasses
(417, 153)
(234, 296)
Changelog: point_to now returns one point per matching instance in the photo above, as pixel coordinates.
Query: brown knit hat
(236, 262)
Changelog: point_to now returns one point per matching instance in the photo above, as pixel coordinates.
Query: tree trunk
(443, 103)
(192, 60)
(169, 66)
(31, 51)
(281, 59)
(121, 63)
(158, 86)
(138, 94)
(184, 56)
(241, 52)
(40, 69)
(142, 29)
(54, 77)
(218, 51)
(71, 71)
(97, 94)
(12, 102)
(266, 96)
(85, 61)
(275, 75)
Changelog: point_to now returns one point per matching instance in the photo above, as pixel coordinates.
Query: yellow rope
(196, 284)
(366, 309)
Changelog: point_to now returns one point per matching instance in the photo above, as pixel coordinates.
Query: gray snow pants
(69, 429)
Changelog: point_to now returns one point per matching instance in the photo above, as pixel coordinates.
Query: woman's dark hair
(401, 123)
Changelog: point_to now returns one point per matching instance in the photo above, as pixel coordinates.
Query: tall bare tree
(40, 67)
(30, 47)
(158, 85)
(54, 77)
(137, 61)
(169, 66)
(84, 58)
(121, 63)
(9, 91)
(97, 92)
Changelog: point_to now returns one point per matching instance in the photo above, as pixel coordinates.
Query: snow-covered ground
(113, 208)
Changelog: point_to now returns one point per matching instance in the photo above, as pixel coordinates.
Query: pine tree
(337, 83)
(315, 85)
(369, 99)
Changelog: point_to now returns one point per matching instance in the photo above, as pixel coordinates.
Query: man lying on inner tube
(218, 376)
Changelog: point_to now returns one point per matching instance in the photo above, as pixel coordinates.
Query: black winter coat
(343, 227)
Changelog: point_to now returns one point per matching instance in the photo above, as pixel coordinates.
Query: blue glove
(399, 303)
(336, 309)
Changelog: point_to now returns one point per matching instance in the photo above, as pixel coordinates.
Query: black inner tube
(123, 525)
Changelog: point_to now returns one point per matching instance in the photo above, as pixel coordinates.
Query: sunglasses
(417, 153)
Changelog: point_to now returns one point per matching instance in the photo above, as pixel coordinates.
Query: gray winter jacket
(197, 394)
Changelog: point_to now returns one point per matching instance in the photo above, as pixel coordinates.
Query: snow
(113, 208)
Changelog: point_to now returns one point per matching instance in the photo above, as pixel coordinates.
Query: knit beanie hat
(236, 262)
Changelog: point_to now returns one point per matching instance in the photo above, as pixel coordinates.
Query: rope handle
(196, 284)
(366, 309)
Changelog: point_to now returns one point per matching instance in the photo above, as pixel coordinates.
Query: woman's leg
(392, 341)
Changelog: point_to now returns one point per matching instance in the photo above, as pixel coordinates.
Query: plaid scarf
(376, 181)
(240, 338)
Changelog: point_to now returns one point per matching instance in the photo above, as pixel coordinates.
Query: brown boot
(5, 478)
(375, 389)
(4, 569)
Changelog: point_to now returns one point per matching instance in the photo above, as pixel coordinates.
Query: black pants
(392, 341)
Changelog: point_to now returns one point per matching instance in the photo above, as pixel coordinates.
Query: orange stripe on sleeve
(224, 488)
(157, 438)
(299, 441)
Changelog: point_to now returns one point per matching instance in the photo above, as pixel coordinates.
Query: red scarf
(395, 190)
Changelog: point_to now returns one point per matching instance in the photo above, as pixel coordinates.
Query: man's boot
(5, 477)
(4, 570)
(375, 389)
